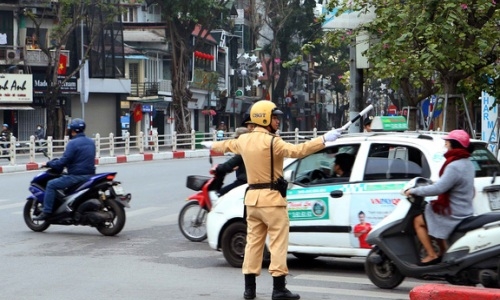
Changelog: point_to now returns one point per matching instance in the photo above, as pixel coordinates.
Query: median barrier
(453, 292)
(121, 159)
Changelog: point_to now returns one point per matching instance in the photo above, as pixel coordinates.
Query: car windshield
(485, 163)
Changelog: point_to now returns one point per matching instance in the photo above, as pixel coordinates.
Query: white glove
(207, 144)
(332, 135)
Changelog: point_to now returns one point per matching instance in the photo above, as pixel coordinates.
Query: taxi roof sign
(385, 123)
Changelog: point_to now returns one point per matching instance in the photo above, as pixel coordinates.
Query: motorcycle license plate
(494, 199)
(118, 189)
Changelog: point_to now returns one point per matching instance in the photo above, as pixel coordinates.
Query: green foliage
(443, 42)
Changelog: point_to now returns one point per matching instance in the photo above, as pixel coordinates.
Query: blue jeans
(60, 183)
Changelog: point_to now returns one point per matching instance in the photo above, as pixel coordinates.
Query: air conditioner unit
(12, 56)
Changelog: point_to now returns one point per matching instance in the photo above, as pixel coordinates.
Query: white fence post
(32, 149)
(127, 143)
(156, 141)
(141, 142)
(193, 139)
(174, 141)
(97, 145)
(12, 152)
(50, 147)
(111, 144)
(296, 136)
(315, 132)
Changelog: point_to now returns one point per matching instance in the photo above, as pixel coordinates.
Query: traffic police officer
(265, 206)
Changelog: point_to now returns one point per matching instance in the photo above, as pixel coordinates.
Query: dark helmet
(77, 125)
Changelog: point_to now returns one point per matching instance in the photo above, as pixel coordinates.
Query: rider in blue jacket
(79, 160)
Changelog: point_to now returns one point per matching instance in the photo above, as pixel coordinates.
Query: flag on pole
(63, 61)
(137, 113)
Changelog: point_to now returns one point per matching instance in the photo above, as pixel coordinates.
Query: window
(390, 161)
(484, 161)
(318, 168)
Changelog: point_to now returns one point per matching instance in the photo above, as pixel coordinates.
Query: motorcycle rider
(455, 190)
(5, 135)
(78, 158)
(236, 164)
(266, 206)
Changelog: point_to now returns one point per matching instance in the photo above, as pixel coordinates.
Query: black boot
(280, 292)
(249, 286)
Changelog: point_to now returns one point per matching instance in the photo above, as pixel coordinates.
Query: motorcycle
(471, 258)
(193, 215)
(98, 202)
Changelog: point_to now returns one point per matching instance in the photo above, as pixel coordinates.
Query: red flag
(63, 61)
(137, 113)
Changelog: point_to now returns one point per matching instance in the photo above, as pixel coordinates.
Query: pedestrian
(78, 158)
(221, 130)
(367, 124)
(265, 200)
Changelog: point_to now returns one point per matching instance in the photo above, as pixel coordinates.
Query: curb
(122, 159)
(453, 292)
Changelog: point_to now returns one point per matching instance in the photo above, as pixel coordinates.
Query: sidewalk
(28, 166)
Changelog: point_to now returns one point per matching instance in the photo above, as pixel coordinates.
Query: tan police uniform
(266, 209)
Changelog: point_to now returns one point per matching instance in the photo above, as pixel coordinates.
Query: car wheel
(234, 240)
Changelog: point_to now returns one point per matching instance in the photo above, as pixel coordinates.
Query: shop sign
(40, 84)
(16, 88)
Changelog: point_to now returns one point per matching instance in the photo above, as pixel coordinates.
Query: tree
(181, 18)
(426, 47)
(292, 23)
(68, 15)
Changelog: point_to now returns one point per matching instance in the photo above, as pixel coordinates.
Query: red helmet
(459, 135)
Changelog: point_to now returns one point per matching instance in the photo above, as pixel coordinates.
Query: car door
(377, 191)
(317, 203)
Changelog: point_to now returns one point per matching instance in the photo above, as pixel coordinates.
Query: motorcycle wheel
(385, 275)
(234, 240)
(29, 213)
(193, 221)
(116, 225)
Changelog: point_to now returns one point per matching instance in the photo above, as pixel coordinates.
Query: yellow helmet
(262, 111)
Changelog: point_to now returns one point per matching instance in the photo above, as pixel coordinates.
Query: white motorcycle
(473, 255)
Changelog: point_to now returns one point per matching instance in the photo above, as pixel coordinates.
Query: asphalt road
(149, 259)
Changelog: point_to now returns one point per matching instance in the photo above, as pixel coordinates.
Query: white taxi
(330, 215)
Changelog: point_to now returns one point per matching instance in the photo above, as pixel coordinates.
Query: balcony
(36, 58)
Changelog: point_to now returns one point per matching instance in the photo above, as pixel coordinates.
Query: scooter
(98, 202)
(473, 255)
(193, 215)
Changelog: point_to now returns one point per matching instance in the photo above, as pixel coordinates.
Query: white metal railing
(110, 146)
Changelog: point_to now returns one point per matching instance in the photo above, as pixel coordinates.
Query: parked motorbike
(98, 202)
(193, 215)
(472, 257)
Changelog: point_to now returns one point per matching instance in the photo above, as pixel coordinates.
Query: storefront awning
(16, 107)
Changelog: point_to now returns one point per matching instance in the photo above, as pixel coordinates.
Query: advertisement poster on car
(366, 210)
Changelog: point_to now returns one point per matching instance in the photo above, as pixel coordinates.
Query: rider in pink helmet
(459, 135)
